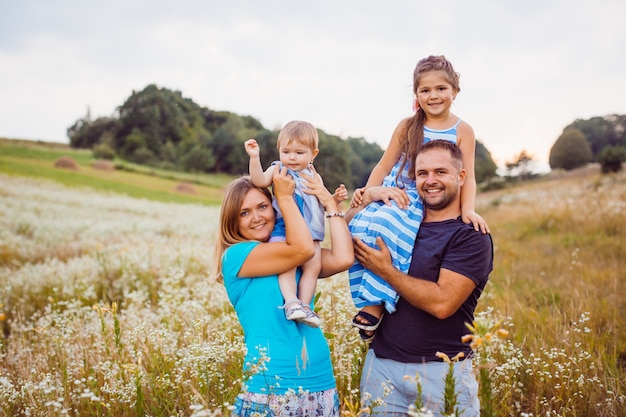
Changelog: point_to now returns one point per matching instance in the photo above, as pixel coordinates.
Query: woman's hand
(315, 186)
(284, 185)
(476, 220)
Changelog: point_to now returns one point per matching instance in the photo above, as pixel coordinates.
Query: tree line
(598, 139)
(159, 127)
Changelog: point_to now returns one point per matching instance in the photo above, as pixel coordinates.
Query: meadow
(107, 306)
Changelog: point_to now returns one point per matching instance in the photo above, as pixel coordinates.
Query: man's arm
(440, 299)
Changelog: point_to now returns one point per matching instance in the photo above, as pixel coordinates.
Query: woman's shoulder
(241, 249)
(234, 257)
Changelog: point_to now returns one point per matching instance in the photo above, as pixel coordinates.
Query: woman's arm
(277, 257)
(340, 256)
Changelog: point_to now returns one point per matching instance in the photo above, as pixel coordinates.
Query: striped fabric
(398, 229)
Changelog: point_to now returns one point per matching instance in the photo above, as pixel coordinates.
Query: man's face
(438, 178)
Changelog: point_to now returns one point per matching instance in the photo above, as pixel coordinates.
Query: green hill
(38, 159)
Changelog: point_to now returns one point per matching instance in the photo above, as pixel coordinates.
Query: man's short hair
(446, 145)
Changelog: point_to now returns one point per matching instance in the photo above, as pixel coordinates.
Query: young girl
(435, 86)
(297, 147)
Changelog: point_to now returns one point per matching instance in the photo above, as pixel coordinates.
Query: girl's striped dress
(397, 227)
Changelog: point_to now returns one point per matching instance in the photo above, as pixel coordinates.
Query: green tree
(103, 151)
(484, 167)
(363, 158)
(602, 131)
(197, 158)
(333, 162)
(571, 150)
(611, 158)
(160, 127)
(133, 142)
(162, 115)
(224, 143)
(86, 133)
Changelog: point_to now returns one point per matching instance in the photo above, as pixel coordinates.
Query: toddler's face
(296, 156)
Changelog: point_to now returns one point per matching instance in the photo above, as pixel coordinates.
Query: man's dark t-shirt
(411, 335)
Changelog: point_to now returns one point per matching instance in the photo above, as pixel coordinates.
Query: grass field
(107, 307)
(34, 159)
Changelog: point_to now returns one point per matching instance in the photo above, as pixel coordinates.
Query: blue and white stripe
(398, 229)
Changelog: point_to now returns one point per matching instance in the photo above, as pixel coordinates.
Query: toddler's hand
(252, 148)
(341, 194)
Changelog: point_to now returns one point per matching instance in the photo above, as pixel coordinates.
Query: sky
(528, 68)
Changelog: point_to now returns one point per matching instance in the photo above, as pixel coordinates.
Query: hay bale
(103, 165)
(185, 188)
(65, 162)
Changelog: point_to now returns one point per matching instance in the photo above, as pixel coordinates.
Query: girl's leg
(375, 310)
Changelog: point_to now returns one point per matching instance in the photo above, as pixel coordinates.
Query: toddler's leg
(287, 284)
(306, 288)
(310, 273)
(288, 288)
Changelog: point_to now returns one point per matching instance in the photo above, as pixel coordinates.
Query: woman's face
(256, 216)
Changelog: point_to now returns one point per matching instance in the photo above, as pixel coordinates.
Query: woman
(287, 369)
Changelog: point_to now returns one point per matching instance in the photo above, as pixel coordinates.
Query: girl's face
(435, 94)
(296, 156)
(256, 216)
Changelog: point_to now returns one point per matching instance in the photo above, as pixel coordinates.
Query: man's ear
(462, 175)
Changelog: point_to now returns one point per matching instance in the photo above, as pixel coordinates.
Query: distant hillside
(37, 159)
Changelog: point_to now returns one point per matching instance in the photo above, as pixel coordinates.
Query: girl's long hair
(414, 132)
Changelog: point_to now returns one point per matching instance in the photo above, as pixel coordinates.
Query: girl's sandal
(366, 321)
(365, 336)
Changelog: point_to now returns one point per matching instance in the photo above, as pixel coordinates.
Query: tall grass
(106, 307)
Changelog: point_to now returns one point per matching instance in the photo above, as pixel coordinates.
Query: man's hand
(377, 261)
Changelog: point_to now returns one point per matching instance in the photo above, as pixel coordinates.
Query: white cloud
(527, 68)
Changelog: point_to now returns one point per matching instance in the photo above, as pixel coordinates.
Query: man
(450, 267)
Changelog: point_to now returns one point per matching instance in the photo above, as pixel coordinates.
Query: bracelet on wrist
(329, 215)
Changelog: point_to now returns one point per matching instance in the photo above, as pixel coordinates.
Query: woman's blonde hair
(228, 231)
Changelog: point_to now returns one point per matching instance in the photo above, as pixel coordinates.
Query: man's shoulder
(458, 231)
(467, 232)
